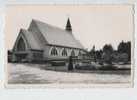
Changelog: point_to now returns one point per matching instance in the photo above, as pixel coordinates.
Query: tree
(93, 53)
(122, 47)
(125, 47)
(107, 53)
(99, 54)
(108, 48)
(129, 50)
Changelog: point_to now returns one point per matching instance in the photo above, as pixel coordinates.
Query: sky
(91, 24)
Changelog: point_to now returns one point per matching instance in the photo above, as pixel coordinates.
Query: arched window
(21, 45)
(79, 54)
(54, 52)
(64, 52)
(72, 53)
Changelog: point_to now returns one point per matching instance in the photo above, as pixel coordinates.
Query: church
(42, 42)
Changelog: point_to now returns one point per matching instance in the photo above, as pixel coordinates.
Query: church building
(41, 42)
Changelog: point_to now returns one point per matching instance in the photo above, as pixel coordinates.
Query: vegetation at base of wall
(86, 67)
(61, 63)
(104, 67)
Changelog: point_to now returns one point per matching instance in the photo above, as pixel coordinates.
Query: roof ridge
(49, 25)
(22, 29)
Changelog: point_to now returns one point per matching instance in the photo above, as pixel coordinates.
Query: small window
(64, 52)
(54, 52)
(72, 53)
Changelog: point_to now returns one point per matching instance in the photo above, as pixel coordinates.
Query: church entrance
(21, 53)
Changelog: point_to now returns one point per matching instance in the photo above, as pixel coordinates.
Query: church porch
(31, 56)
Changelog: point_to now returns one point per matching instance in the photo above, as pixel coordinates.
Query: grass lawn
(36, 74)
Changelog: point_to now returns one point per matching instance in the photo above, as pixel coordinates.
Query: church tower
(68, 26)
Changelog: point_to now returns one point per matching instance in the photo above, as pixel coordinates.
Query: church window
(21, 45)
(54, 51)
(79, 54)
(72, 53)
(64, 52)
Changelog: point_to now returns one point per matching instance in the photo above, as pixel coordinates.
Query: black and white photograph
(69, 44)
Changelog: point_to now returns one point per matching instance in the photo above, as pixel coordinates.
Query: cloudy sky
(91, 24)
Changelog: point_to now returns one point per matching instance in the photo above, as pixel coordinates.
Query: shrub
(108, 67)
(85, 67)
(57, 63)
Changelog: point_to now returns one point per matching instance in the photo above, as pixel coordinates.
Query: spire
(68, 26)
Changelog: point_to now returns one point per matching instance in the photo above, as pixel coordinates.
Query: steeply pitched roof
(56, 36)
(31, 39)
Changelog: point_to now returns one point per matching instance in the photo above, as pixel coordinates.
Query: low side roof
(57, 36)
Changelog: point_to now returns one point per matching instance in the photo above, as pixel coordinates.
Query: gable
(18, 40)
(29, 39)
(35, 30)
